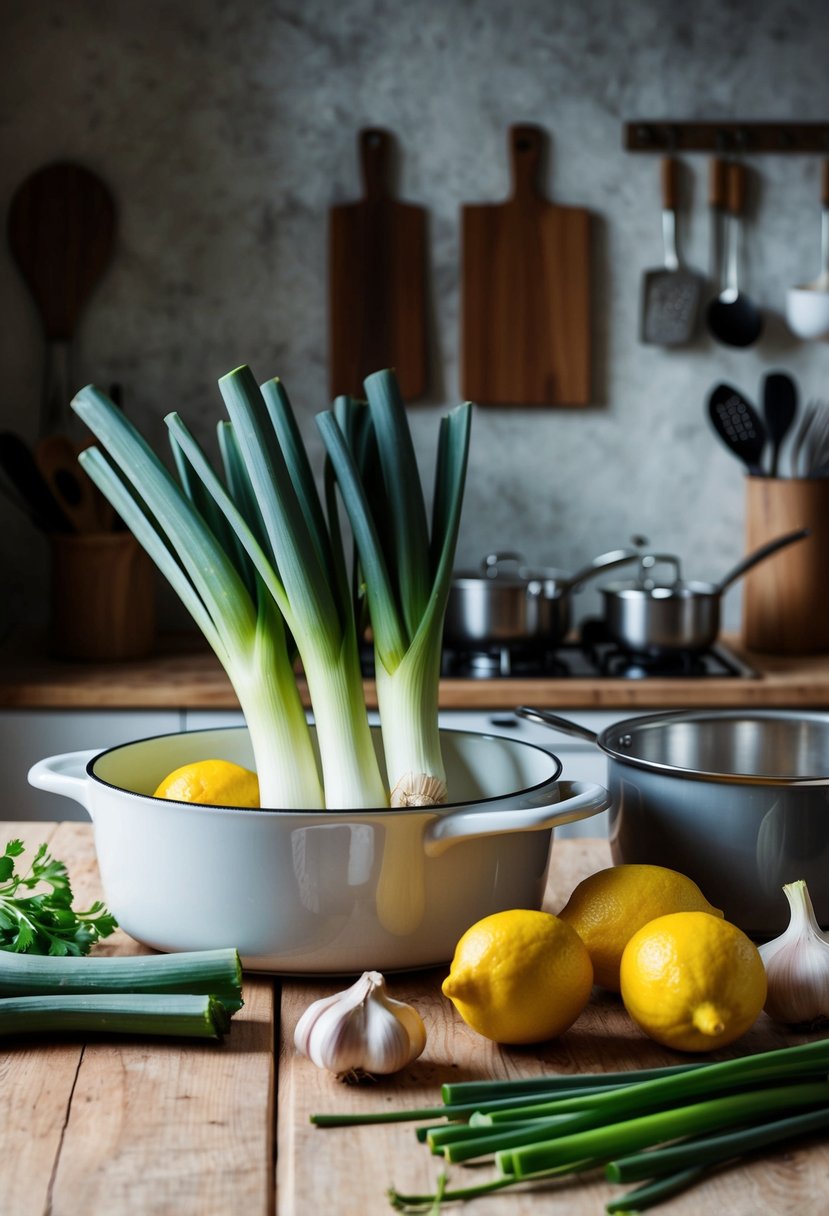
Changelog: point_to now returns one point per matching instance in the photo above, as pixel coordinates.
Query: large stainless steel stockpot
(319, 892)
(506, 602)
(737, 799)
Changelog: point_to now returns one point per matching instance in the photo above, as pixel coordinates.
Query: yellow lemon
(692, 981)
(519, 976)
(609, 906)
(213, 783)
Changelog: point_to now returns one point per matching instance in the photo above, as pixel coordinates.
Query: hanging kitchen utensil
(377, 281)
(57, 459)
(61, 230)
(525, 292)
(649, 617)
(717, 195)
(779, 409)
(731, 316)
(807, 305)
(739, 426)
(19, 465)
(670, 294)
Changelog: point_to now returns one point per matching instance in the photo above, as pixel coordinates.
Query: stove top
(593, 654)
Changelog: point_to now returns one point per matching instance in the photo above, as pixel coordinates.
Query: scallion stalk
(200, 1016)
(713, 1149)
(649, 1196)
(666, 1124)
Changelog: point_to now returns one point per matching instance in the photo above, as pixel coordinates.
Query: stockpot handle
(546, 718)
(577, 800)
(492, 561)
(64, 774)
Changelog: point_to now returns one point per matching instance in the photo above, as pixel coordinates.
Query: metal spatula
(671, 294)
(740, 427)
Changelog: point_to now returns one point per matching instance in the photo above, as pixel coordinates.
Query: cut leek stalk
(156, 1013)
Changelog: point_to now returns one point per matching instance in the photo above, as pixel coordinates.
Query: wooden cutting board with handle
(61, 232)
(377, 280)
(525, 292)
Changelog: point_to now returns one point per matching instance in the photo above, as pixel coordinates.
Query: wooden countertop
(184, 674)
(122, 1126)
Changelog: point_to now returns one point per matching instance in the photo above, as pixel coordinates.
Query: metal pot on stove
(506, 602)
(648, 616)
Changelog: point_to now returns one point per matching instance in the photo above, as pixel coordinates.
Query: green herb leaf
(34, 921)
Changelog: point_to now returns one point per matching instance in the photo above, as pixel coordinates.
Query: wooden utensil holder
(785, 598)
(102, 597)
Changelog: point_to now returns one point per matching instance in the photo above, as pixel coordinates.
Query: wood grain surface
(525, 292)
(183, 674)
(146, 1127)
(377, 280)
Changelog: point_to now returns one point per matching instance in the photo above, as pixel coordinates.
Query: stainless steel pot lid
(497, 570)
(674, 591)
(763, 747)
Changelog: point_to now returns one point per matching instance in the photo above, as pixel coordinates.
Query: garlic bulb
(360, 1031)
(797, 964)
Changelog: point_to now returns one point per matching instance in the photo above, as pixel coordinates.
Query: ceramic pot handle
(577, 800)
(64, 774)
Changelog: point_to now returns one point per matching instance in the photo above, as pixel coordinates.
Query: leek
(407, 572)
(245, 631)
(258, 560)
(157, 1013)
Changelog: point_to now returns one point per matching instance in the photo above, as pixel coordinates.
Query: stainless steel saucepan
(646, 616)
(506, 602)
(737, 799)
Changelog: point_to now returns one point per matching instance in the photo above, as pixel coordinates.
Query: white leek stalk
(407, 573)
(244, 630)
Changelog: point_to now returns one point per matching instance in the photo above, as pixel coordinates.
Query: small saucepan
(648, 617)
(505, 602)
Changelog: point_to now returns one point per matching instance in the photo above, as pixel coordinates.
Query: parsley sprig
(38, 921)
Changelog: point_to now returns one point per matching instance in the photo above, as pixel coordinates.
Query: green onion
(606, 1125)
(645, 1197)
(714, 1149)
(216, 973)
(154, 1013)
(606, 1141)
(480, 1091)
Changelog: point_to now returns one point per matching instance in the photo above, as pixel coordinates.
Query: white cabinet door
(27, 736)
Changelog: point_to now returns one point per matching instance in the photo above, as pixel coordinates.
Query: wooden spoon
(61, 230)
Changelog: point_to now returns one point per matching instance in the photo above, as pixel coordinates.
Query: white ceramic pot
(807, 311)
(319, 892)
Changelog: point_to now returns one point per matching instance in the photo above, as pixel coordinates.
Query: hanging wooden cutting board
(525, 292)
(377, 281)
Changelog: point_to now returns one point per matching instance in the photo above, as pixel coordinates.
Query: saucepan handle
(577, 800)
(64, 774)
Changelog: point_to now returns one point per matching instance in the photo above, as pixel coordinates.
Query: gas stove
(592, 654)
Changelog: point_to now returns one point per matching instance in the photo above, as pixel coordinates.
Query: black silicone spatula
(61, 230)
(739, 426)
(779, 409)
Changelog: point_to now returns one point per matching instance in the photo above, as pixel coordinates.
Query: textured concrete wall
(226, 130)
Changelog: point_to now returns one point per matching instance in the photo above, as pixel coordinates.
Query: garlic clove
(361, 1031)
(797, 964)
